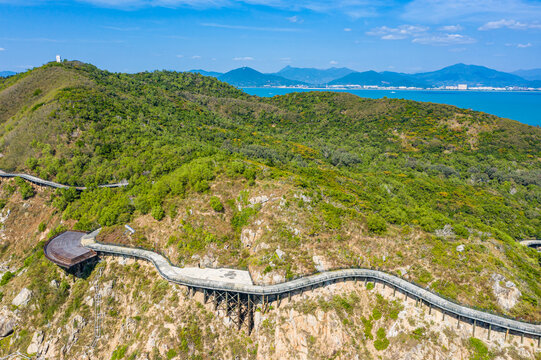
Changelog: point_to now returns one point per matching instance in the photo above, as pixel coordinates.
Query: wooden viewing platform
(66, 250)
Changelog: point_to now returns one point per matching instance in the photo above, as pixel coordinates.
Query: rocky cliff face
(52, 314)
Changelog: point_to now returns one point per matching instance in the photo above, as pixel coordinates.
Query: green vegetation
(171, 353)
(376, 224)
(8, 275)
(479, 350)
(381, 342)
(370, 286)
(427, 174)
(26, 190)
(216, 204)
(119, 352)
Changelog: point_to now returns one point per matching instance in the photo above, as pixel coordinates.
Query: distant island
(455, 77)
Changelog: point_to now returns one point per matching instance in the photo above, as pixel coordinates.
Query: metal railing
(164, 268)
(38, 181)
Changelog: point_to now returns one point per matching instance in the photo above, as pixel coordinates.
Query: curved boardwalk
(278, 291)
(536, 244)
(53, 184)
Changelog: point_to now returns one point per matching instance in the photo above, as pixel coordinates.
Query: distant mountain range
(313, 76)
(532, 74)
(385, 78)
(7, 73)
(471, 75)
(248, 77)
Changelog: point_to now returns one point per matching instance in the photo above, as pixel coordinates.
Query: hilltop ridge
(282, 187)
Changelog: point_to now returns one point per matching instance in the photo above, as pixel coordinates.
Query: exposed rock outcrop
(22, 298)
(7, 325)
(506, 292)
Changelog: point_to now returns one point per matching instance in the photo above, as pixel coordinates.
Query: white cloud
(196, 57)
(347, 29)
(295, 19)
(400, 32)
(444, 40)
(180, 56)
(2, 49)
(510, 24)
(243, 58)
(255, 28)
(333, 62)
(524, 45)
(118, 28)
(450, 28)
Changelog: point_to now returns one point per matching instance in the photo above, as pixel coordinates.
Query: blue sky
(393, 35)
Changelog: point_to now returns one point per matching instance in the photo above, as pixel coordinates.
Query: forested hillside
(331, 179)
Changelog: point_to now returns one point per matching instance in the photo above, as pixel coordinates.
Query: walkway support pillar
(473, 330)
(489, 329)
(238, 312)
(429, 309)
(458, 322)
(506, 335)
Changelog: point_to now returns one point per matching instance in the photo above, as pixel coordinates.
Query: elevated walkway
(41, 182)
(193, 279)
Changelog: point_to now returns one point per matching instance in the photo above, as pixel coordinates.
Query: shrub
(158, 213)
(376, 314)
(370, 286)
(376, 224)
(27, 191)
(8, 275)
(171, 354)
(216, 204)
(479, 350)
(119, 352)
(461, 231)
(381, 343)
(42, 226)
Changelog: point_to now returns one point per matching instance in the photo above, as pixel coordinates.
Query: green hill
(248, 77)
(385, 183)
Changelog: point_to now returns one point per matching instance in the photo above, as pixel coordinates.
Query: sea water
(523, 106)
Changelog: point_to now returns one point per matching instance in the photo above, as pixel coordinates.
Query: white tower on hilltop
(58, 59)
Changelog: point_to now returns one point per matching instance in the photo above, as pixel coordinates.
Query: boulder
(7, 325)
(22, 298)
(37, 339)
(259, 200)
